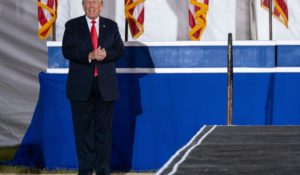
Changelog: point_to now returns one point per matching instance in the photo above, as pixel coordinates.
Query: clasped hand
(98, 54)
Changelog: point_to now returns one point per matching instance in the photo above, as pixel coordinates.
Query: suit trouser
(92, 122)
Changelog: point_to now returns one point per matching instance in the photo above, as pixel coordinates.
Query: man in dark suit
(92, 44)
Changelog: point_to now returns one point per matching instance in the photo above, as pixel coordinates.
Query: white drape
(165, 20)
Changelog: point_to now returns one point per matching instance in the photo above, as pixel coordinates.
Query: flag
(197, 18)
(279, 10)
(134, 13)
(47, 13)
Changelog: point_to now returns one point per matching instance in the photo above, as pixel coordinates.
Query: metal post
(54, 31)
(270, 20)
(126, 30)
(126, 25)
(54, 24)
(229, 80)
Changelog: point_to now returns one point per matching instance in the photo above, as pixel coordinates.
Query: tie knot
(93, 22)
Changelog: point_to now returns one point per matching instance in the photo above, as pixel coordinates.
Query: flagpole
(126, 24)
(126, 30)
(54, 24)
(54, 31)
(270, 21)
(229, 80)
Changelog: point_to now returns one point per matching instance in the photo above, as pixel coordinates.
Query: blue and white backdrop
(23, 56)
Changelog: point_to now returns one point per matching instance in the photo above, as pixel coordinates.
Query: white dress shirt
(89, 22)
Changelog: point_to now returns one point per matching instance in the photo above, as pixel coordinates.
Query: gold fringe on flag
(200, 18)
(128, 7)
(49, 25)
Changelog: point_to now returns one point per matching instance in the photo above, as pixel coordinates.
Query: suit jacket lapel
(102, 30)
(86, 33)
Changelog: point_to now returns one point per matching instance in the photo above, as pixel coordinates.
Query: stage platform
(167, 92)
(236, 150)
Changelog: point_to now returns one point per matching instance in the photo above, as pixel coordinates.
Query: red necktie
(95, 44)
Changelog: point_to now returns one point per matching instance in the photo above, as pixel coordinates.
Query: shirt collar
(90, 20)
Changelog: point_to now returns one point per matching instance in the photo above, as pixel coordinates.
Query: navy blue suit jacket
(76, 46)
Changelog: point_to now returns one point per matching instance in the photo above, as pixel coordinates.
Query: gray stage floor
(239, 150)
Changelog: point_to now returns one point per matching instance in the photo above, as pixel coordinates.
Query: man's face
(92, 8)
